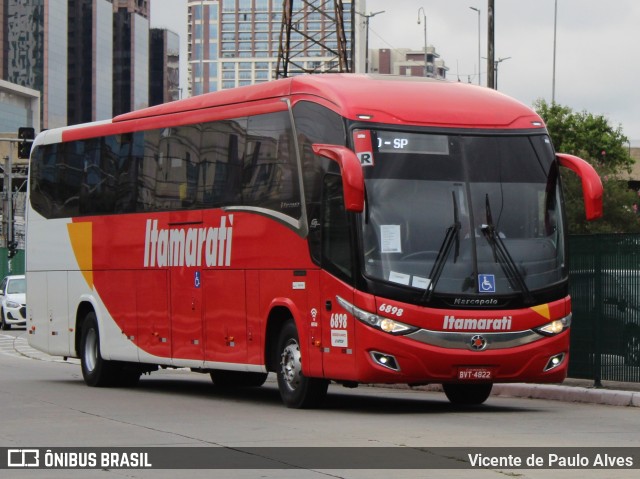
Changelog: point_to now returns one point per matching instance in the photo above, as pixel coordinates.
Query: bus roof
(375, 98)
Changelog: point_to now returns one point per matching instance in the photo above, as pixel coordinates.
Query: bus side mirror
(591, 184)
(351, 170)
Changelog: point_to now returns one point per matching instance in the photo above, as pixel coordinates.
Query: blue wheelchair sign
(196, 279)
(486, 283)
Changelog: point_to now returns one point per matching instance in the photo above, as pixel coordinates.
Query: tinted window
(241, 162)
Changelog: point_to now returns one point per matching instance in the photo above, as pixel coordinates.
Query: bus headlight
(555, 327)
(387, 325)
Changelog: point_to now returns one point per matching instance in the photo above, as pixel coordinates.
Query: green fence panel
(14, 265)
(604, 273)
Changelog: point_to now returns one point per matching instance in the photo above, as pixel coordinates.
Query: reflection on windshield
(426, 205)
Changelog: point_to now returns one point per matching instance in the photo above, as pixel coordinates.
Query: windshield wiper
(502, 257)
(452, 235)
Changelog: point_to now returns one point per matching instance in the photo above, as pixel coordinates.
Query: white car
(13, 308)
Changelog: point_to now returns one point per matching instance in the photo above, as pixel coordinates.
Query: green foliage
(593, 139)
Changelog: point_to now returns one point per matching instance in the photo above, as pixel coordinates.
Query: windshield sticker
(363, 147)
(419, 282)
(390, 239)
(400, 278)
(486, 283)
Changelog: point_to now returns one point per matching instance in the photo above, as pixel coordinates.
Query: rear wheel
(296, 390)
(96, 371)
(467, 394)
(237, 379)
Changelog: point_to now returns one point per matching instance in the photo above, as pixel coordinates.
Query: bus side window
(336, 244)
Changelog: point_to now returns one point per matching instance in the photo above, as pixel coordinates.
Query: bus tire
(96, 371)
(296, 390)
(237, 379)
(467, 394)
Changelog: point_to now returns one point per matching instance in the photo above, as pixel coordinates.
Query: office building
(90, 61)
(235, 42)
(34, 53)
(164, 68)
(130, 55)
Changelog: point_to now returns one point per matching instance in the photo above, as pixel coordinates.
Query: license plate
(475, 374)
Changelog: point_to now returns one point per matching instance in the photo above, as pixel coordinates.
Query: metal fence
(605, 294)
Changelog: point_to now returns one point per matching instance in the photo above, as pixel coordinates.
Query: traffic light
(26, 134)
(12, 249)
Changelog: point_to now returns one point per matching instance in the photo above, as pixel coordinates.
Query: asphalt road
(44, 403)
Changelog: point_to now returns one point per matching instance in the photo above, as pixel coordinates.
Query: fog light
(554, 362)
(385, 360)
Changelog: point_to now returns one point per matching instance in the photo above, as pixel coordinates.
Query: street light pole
(366, 22)
(478, 10)
(553, 81)
(490, 45)
(426, 59)
(496, 63)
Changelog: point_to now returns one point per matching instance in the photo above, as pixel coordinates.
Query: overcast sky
(597, 48)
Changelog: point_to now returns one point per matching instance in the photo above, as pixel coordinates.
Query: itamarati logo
(188, 246)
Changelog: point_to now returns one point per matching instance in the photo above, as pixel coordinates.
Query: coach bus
(345, 228)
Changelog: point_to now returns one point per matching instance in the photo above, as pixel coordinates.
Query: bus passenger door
(338, 338)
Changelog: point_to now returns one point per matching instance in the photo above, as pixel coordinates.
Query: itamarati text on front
(343, 228)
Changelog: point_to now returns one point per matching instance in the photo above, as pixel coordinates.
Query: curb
(569, 394)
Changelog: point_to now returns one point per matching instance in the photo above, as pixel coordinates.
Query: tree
(593, 139)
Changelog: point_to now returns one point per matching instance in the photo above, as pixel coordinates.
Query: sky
(597, 47)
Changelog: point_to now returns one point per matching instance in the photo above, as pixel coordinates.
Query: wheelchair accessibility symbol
(196, 279)
(486, 283)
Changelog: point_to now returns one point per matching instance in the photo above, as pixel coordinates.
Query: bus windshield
(462, 215)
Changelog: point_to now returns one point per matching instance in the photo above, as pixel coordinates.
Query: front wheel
(296, 390)
(467, 394)
(3, 323)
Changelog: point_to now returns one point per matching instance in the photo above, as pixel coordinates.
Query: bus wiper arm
(502, 257)
(452, 235)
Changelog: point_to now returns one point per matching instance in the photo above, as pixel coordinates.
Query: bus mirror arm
(351, 170)
(591, 184)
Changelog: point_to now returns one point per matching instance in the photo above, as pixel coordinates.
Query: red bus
(342, 228)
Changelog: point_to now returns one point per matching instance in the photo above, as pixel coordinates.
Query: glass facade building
(235, 42)
(164, 68)
(131, 56)
(90, 64)
(34, 53)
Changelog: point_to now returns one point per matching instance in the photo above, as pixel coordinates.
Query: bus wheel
(467, 394)
(96, 371)
(237, 379)
(296, 390)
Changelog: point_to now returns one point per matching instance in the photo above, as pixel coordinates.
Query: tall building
(34, 53)
(130, 55)
(90, 65)
(164, 66)
(235, 42)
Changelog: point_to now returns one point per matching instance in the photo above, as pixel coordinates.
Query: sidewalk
(571, 390)
(576, 390)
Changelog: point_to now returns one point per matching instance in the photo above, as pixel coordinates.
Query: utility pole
(490, 45)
